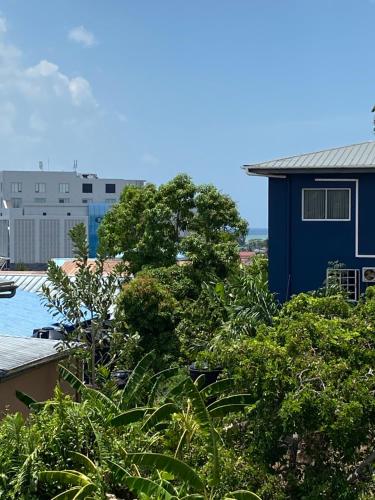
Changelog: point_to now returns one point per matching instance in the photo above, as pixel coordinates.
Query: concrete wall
(52, 194)
(38, 383)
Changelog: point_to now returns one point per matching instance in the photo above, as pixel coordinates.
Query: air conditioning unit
(368, 274)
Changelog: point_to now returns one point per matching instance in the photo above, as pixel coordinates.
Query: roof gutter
(253, 174)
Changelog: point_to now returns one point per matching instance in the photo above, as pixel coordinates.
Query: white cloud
(150, 159)
(81, 35)
(3, 25)
(121, 117)
(37, 101)
(37, 123)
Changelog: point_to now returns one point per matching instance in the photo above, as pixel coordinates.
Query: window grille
(86, 188)
(345, 279)
(326, 204)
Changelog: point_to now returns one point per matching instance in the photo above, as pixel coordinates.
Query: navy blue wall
(299, 251)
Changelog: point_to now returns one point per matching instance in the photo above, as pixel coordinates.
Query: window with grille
(346, 280)
(86, 188)
(326, 204)
(110, 188)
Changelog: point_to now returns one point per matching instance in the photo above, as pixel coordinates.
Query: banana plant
(78, 485)
(169, 469)
(192, 416)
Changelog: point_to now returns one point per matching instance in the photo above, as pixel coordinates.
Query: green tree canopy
(150, 226)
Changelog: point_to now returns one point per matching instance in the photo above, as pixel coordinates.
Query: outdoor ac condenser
(368, 274)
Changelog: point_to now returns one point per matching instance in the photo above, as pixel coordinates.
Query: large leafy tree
(150, 226)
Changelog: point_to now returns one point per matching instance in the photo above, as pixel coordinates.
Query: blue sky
(147, 89)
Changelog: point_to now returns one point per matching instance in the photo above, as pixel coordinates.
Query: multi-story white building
(38, 208)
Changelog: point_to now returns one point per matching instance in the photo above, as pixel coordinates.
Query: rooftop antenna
(40, 165)
(75, 165)
(373, 121)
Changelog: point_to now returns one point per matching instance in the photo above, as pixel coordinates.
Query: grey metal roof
(20, 353)
(355, 156)
(29, 282)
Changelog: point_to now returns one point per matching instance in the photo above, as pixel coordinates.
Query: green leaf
(68, 494)
(84, 491)
(83, 460)
(194, 496)
(244, 399)
(132, 388)
(64, 477)
(157, 379)
(177, 389)
(160, 414)
(100, 400)
(128, 417)
(242, 495)
(205, 421)
(69, 377)
(147, 487)
(217, 387)
(25, 398)
(165, 374)
(118, 471)
(169, 464)
(222, 411)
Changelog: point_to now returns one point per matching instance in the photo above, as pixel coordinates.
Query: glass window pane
(314, 201)
(338, 204)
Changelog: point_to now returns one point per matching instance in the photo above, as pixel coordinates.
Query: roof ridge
(310, 153)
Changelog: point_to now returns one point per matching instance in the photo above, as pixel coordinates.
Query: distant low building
(246, 256)
(321, 208)
(38, 209)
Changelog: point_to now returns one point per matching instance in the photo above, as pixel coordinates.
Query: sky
(148, 89)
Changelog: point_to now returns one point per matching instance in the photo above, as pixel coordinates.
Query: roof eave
(7, 374)
(281, 172)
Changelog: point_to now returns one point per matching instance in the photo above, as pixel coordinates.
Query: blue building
(321, 210)
(96, 212)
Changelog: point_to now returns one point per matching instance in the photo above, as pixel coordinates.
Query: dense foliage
(150, 226)
(290, 416)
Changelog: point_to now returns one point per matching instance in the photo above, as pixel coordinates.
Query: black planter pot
(210, 375)
(121, 377)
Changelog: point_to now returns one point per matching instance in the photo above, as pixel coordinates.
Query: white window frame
(64, 187)
(326, 204)
(40, 187)
(16, 187)
(63, 201)
(345, 286)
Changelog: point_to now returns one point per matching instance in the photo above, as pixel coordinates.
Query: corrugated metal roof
(20, 353)
(29, 282)
(355, 156)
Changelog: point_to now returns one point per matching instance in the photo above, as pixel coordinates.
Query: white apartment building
(38, 208)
